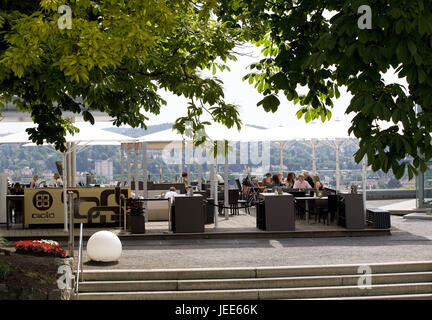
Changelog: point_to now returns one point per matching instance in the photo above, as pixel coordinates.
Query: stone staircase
(410, 280)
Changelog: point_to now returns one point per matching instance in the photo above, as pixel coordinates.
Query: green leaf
(269, 103)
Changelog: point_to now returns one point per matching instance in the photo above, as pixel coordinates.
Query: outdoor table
(13, 198)
(187, 213)
(351, 210)
(276, 212)
(307, 199)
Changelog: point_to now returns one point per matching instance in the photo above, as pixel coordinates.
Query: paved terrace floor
(411, 240)
(243, 222)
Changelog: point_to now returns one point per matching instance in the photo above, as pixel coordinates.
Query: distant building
(26, 172)
(104, 168)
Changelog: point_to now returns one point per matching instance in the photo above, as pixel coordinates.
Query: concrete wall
(390, 194)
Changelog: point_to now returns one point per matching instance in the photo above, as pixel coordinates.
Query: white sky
(237, 92)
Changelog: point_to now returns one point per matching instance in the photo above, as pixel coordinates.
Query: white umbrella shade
(87, 135)
(307, 131)
(215, 132)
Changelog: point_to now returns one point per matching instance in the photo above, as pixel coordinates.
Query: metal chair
(233, 200)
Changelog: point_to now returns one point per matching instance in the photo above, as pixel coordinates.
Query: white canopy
(307, 131)
(87, 135)
(215, 132)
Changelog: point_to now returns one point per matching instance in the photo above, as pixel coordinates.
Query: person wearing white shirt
(171, 194)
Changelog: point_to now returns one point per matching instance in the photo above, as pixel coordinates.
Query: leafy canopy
(114, 59)
(305, 48)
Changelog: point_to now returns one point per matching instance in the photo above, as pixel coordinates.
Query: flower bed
(40, 248)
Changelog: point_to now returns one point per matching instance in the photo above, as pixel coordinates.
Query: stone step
(425, 296)
(259, 272)
(250, 283)
(254, 294)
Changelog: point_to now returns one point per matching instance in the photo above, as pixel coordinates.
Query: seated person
(301, 183)
(17, 205)
(255, 183)
(308, 179)
(281, 179)
(17, 189)
(57, 180)
(245, 184)
(267, 181)
(33, 183)
(291, 179)
(276, 181)
(318, 184)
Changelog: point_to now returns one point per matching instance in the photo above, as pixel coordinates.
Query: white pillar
(69, 165)
(121, 164)
(338, 144)
(212, 175)
(144, 167)
(188, 160)
(199, 176)
(364, 181)
(215, 184)
(65, 210)
(181, 159)
(226, 183)
(136, 170)
(128, 166)
(73, 164)
(281, 145)
(314, 170)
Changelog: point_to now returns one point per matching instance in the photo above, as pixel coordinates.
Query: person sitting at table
(17, 189)
(318, 184)
(17, 205)
(290, 180)
(267, 181)
(308, 178)
(246, 183)
(57, 180)
(301, 183)
(33, 183)
(276, 181)
(281, 179)
(255, 182)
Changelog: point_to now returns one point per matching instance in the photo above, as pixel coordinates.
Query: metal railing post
(80, 265)
(71, 243)
(120, 210)
(125, 213)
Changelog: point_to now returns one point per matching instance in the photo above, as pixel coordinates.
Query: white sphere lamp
(104, 246)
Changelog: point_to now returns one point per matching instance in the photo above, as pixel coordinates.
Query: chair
(246, 200)
(239, 186)
(320, 209)
(299, 205)
(233, 200)
(332, 206)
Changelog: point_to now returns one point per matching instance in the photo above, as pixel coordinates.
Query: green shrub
(5, 270)
(3, 242)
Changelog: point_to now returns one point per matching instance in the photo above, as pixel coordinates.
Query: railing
(80, 262)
